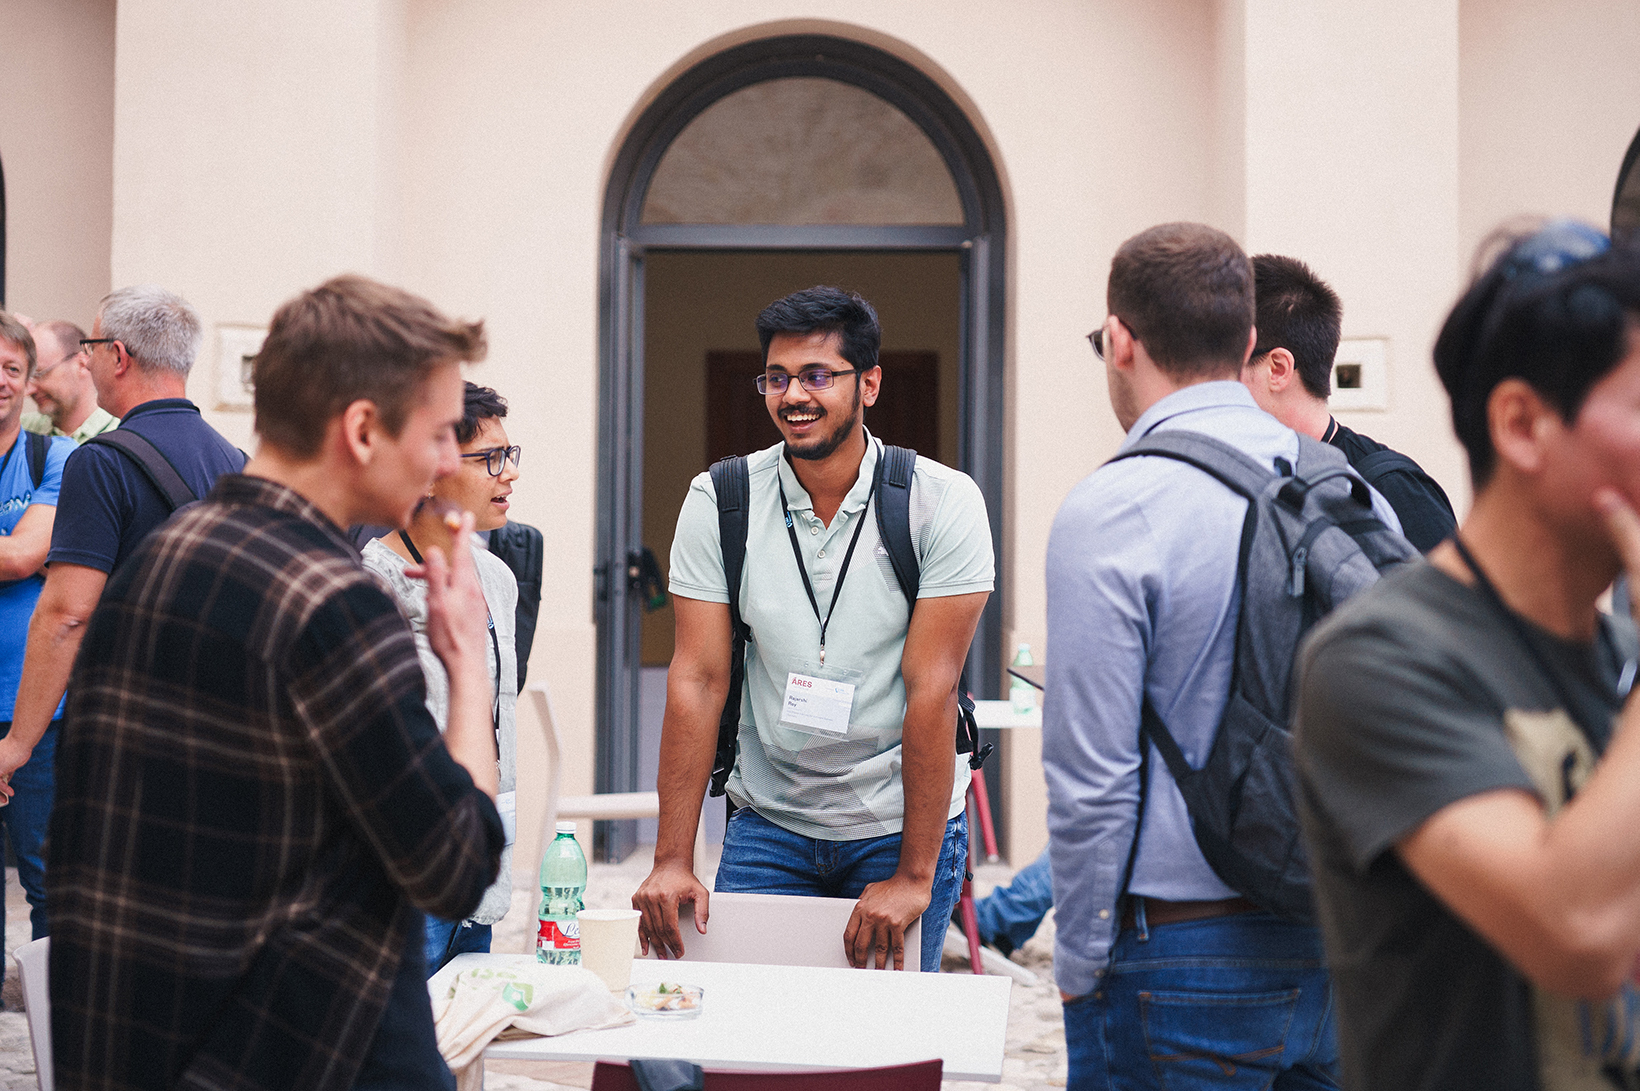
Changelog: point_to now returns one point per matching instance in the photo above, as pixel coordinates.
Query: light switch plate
(237, 346)
(1360, 375)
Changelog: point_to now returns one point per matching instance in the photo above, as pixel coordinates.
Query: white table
(803, 1017)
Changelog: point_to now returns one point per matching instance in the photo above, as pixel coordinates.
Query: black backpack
(891, 482)
(35, 447)
(1310, 541)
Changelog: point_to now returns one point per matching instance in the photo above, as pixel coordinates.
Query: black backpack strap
(1379, 463)
(153, 463)
(892, 480)
(734, 494)
(38, 445)
(1151, 727)
(522, 548)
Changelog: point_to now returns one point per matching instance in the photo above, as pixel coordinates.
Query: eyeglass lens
(811, 378)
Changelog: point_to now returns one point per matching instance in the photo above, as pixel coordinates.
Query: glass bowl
(666, 1000)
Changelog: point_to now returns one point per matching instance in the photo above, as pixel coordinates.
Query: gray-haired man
(141, 348)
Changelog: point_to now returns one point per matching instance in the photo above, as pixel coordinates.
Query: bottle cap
(566, 827)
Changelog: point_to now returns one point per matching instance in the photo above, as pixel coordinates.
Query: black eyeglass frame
(515, 454)
(805, 379)
(87, 342)
(1096, 338)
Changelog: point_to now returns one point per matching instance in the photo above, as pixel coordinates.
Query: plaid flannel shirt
(251, 795)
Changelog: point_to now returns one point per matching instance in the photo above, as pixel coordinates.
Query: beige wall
(255, 148)
(1549, 100)
(461, 147)
(56, 146)
(1352, 165)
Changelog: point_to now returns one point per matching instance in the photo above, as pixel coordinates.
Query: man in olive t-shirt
(1467, 797)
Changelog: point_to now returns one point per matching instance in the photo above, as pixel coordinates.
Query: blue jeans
(762, 858)
(1014, 912)
(1228, 1002)
(25, 819)
(447, 939)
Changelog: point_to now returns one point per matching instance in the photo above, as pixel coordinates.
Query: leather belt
(1159, 911)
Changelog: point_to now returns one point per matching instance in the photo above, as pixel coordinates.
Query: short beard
(829, 447)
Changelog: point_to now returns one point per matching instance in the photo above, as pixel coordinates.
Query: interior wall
(1549, 101)
(697, 302)
(255, 146)
(1352, 121)
(57, 148)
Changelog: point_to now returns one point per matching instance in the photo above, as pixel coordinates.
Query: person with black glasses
(846, 783)
(482, 484)
(1467, 749)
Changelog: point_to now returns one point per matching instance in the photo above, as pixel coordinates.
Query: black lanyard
(802, 570)
(1518, 626)
(495, 644)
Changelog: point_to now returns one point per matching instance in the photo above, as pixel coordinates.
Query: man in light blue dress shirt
(1181, 982)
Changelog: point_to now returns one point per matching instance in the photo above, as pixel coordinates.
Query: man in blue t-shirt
(141, 348)
(29, 482)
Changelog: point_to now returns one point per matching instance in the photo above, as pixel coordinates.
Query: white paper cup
(609, 939)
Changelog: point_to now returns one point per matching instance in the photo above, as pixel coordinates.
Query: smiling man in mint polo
(866, 801)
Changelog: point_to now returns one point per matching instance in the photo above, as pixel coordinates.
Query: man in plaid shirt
(254, 806)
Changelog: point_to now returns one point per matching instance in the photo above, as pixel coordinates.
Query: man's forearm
(928, 760)
(688, 745)
(53, 642)
(468, 729)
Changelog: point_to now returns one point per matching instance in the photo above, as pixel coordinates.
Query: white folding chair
(32, 970)
(777, 930)
(610, 805)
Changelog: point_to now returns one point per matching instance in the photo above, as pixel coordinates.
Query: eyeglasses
(87, 342)
(42, 372)
(496, 458)
(1097, 337)
(1560, 245)
(810, 378)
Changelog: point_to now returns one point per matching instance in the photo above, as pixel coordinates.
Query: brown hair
(13, 332)
(351, 338)
(1185, 290)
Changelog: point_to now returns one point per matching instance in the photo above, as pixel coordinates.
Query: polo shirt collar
(797, 497)
(160, 404)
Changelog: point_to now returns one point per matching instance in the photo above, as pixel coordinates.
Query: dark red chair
(922, 1076)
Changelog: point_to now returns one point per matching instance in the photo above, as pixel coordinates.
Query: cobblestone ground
(1034, 1060)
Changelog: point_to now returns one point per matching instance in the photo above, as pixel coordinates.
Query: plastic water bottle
(563, 882)
(1021, 694)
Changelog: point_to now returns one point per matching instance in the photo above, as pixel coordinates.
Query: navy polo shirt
(108, 505)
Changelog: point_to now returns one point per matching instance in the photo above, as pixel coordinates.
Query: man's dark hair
(479, 404)
(1557, 308)
(347, 339)
(1297, 311)
(825, 310)
(1185, 290)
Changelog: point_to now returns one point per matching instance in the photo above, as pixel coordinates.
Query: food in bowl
(665, 1000)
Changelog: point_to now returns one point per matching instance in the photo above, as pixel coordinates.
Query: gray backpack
(1310, 541)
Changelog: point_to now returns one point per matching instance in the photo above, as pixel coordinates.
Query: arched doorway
(768, 167)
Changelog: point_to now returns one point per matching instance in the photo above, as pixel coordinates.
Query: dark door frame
(980, 240)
